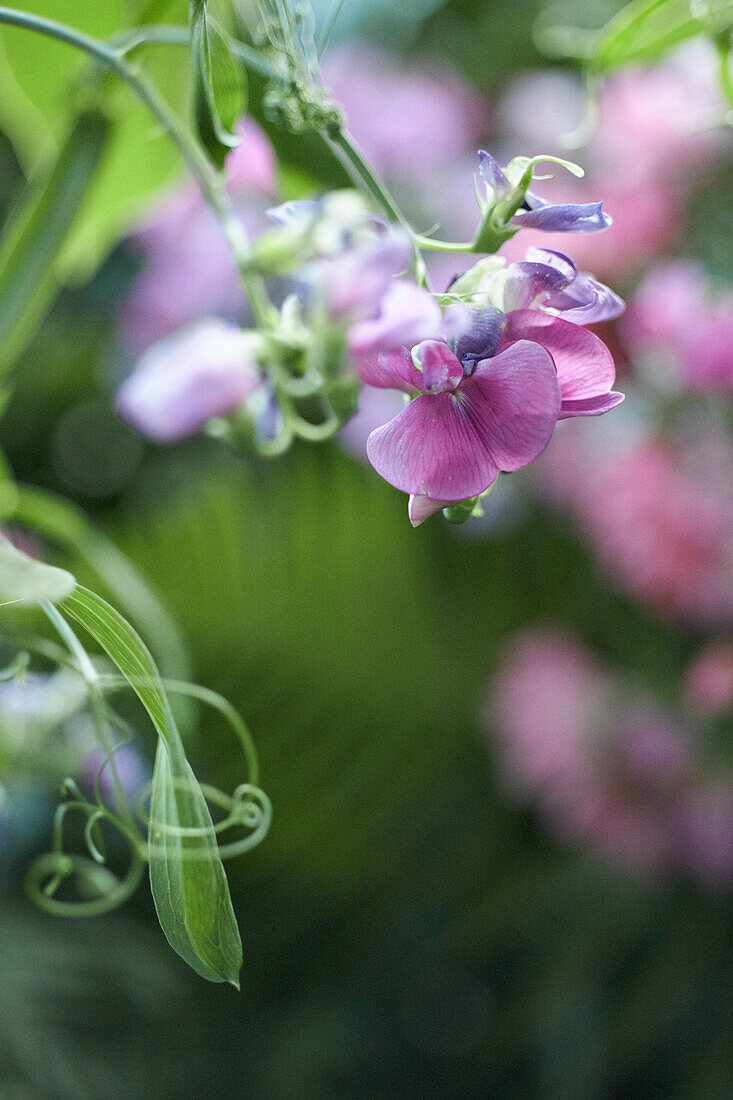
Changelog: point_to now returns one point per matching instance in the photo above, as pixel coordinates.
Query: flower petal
(420, 508)
(492, 174)
(408, 314)
(516, 398)
(590, 406)
(584, 364)
(438, 366)
(586, 301)
(180, 383)
(530, 285)
(481, 336)
(389, 370)
(451, 446)
(564, 218)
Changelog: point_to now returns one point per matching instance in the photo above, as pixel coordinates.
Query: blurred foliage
(406, 931)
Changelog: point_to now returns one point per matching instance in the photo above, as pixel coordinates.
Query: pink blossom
(709, 680)
(410, 119)
(657, 513)
(187, 269)
(607, 768)
(180, 383)
(683, 329)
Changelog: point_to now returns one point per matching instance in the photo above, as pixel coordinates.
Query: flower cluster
(488, 368)
(609, 769)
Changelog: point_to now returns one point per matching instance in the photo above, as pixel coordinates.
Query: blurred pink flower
(410, 118)
(187, 268)
(657, 513)
(657, 129)
(685, 331)
(608, 769)
(202, 371)
(709, 680)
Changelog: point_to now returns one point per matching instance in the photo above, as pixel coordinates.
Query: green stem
(350, 153)
(431, 245)
(205, 175)
(160, 34)
(91, 678)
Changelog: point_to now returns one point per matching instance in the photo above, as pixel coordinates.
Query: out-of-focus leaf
(646, 29)
(22, 578)
(217, 83)
(31, 244)
(40, 91)
(187, 878)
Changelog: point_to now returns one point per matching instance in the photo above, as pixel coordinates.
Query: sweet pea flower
(180, 383)
(535, 212)
(546, 280)
(478, 410)
(489, 393)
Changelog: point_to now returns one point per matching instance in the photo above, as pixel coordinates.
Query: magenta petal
(591, 406)
(421, 508)
(516, 398)
(450, 446)
(433, 448)
(389, 370)
(584, 364)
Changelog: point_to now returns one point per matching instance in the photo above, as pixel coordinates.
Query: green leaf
(43, 84)
(647, 29)
(217, 83)
(187, 878)
(32, 242)
(22, 578)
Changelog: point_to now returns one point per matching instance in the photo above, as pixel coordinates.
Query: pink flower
(709, 680)
(656, 512)
(607, 768)
(410, 119)
(187, 268)
(679, 326)
(488, 396)
(656, 132)
(181, 382)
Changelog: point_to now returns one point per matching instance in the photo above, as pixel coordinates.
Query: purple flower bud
(203, 371)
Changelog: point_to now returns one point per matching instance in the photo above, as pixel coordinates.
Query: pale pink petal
(438, 366)
(421, 508)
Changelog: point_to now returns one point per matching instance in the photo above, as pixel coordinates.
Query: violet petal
(563, 218)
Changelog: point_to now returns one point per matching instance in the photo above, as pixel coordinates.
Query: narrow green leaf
(22, 578)
(32, 242)
(187, 877)
(646, 29)
(218, 85)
